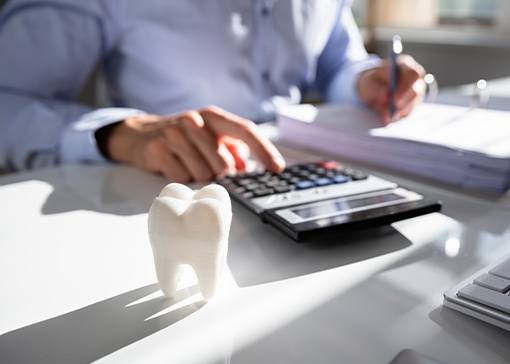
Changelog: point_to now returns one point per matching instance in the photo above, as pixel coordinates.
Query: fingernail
(280, 163)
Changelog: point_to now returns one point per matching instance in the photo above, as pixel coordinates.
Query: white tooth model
(187, 227)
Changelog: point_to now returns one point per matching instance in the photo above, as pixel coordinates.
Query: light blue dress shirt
(162, 57)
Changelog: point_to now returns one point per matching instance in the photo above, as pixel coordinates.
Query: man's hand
(193, 146)
(373, 86)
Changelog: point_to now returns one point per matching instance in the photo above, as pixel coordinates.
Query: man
(164, 62)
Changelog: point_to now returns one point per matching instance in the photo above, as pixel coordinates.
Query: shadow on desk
(258, 253)
(478, 335)
(94, 331)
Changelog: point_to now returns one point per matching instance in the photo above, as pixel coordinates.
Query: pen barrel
(393, 83)
(395, 51)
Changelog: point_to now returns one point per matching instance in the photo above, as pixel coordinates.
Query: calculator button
(239, 190)
(282, 189)
(248, 195)
(293, 169)
(230, 186)
(246, 181)
(253, 186)
(263, 177)
(295, 180)
(356, 175)
(330, 165)
(274, 183)
(323, 181)
(340, 179)
(259, 192)
(302, 185)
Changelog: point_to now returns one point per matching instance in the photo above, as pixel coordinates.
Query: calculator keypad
(296, 177)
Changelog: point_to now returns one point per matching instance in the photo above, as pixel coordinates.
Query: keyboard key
(340, 179)
(493, 282)
(486, 297)
(502, 270)
(323, 182)
(303, 185)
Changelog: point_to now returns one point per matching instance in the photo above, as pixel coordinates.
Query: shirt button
(266, 76)
(265, 11)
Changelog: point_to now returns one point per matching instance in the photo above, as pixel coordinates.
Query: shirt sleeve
(48, 52)
(343, 59)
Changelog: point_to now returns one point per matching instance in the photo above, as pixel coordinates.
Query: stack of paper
(469, 148)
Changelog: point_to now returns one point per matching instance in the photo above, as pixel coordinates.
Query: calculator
(325, 198)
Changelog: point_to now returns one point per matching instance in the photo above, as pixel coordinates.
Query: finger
(383, 112)
(228, 156)
(173, 169)
(410, 71)
(179, 145)
(159, 159)
(224, 123)
(239, 151)
(417, 91)
(407, 108)
(205, 142)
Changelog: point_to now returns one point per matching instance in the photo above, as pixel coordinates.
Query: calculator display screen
(332, 207)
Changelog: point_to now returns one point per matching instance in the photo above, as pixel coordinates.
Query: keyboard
(485, 296)
(324, 197)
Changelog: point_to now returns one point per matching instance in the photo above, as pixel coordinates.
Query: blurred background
(459, 41)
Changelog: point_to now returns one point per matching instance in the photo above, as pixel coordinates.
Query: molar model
(187, 227)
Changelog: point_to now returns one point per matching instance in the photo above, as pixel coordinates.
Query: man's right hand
(197, 145)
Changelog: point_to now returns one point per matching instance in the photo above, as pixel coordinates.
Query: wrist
(103, 136)
(112, 141)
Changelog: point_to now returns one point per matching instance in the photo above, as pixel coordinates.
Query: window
(476, 12)
(430, 13)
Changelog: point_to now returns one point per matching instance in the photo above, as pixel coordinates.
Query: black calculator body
(324, 199)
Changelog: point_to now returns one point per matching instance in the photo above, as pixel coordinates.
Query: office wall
(455, 64)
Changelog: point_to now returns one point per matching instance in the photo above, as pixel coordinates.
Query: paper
(466, 147)
(479, 130)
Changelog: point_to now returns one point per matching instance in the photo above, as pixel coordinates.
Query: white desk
(78, 285)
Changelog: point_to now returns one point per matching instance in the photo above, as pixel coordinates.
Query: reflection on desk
(78, 283)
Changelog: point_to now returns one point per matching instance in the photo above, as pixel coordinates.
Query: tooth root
(168, 273)
(208, 274)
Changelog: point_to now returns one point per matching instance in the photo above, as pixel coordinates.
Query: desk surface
(78, 281)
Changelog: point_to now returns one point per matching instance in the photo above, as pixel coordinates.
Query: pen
(395, 51)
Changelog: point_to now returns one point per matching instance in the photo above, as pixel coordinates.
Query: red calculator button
(330, 165)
